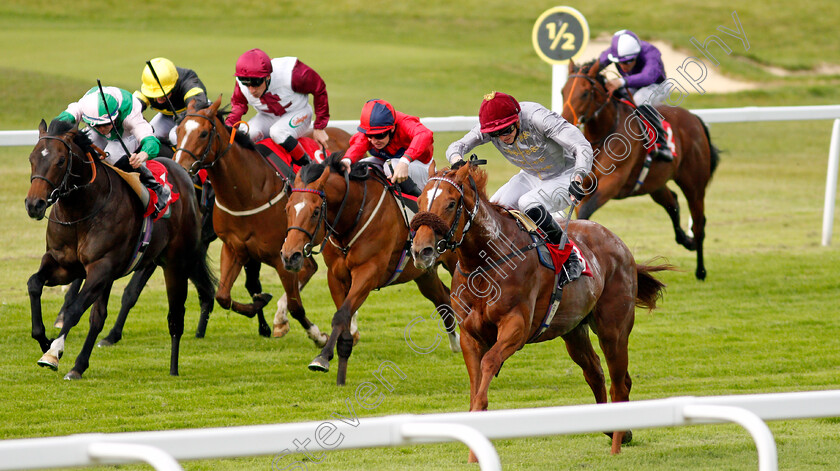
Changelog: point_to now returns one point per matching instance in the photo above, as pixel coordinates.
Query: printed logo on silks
(296, 121)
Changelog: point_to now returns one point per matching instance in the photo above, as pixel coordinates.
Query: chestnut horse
(620, 171)
(94, 232)
(249, 215)
(366, 246)
(501, 300)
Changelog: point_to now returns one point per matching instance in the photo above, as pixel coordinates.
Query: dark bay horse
(94, 232)
(617, 139)
(501, 300)
(366, 246)
(249, 215)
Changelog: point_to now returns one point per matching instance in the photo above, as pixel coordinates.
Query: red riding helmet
(378, 116)
(498, 111)
(253, 63)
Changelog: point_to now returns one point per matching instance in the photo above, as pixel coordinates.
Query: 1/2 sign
(560, 34)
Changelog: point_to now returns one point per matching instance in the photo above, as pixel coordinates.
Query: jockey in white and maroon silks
(278, 89)
(125, 125)
(643, 74)
(396, 138)
(552, 154)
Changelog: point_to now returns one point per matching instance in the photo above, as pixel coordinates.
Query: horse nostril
(427, 252)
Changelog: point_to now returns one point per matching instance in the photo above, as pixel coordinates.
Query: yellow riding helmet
(166, 73)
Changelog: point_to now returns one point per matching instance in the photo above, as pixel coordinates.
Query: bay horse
(249, 215)
(501, 300)
(364, 236)
(621, 170)
(94, 233)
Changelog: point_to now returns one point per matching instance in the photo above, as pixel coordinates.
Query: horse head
(306, 212)
(448, 203)
(201, 137)
(56, 166)
(584, 94)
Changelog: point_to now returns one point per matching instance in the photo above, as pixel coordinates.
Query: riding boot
(162, 191)
(548, 226)
(408, 187)
(661, 150)
(296, 151)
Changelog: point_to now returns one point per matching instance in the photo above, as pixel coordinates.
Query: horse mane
(222, 113)
(584, 69)
(59, 127)
(480, 178)
(313, 171)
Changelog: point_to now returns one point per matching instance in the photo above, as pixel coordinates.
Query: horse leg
(98, 313)
(292, 284)
(473, 352)
(696, 205)
(434, 290)
(668, 200)
(230, 269)
(175, 275)
(608, 188)
(72, 291)
(48, 273)
(363, 280)
(205, 284)
(129, 299)
(254, 287)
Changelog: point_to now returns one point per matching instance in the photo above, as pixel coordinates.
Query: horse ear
(462, 173)
(596, 67)
(216, 104)
(432, 169)
(571, 67)
(42, 128)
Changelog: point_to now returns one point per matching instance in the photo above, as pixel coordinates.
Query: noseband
(447, 242)
(64, 188)
(328, 228)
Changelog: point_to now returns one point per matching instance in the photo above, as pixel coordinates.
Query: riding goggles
(251, 81)
(503, 131)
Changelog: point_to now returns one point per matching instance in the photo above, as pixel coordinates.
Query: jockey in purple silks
(643, 74)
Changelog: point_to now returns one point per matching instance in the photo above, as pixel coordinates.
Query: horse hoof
(49, 361)
(322, 340)
(700, 274)
(261, 299)
(280, 330)
(628, 436)
(356, 337)
(58, 324)
(105, 343)
(320, 364)
(264, 330)
(72, 376)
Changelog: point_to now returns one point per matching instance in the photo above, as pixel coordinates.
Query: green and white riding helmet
(94, 111)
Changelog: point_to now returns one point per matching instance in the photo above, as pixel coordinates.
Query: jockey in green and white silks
(116, 121)
(126, 112)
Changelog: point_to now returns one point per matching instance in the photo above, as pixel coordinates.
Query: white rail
(473, 429)
(719, 115)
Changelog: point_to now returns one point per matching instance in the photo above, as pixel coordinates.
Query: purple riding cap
(626, 46)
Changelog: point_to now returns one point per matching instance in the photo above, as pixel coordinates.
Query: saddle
(280, 160)
(147, 198)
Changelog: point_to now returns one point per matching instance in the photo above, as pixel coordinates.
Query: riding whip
(165, 95)
(113, 124)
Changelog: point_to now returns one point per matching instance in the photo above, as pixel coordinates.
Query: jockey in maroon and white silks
(278, 89)
(549, 150)
(398, 143)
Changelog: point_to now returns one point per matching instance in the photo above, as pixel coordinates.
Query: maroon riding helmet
(254, 63)
(498, 111)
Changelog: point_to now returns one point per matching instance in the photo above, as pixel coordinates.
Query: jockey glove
(576, 190)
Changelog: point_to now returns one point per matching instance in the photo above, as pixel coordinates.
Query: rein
(199, 163)
(446, 243)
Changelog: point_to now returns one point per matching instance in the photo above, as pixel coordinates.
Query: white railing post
(559, 75)
(831, 184)
(764, 442)
(157, 458)
(488, 459)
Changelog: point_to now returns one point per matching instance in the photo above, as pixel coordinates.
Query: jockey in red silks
(278, 89)
(643, 74)
(553, 156)
(125, 125)
(398, 143)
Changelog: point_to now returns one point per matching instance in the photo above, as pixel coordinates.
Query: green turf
(764, 321)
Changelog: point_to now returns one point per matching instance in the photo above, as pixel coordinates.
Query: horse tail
(650, 289)
(202, 276)
(714, 152)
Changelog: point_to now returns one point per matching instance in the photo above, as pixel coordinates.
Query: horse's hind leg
(205, 285)
(176, 293)
(696, 205)
(230, 269)
(129, 299)
(254, 287)
(434, 290)
(668, 200)
(581, 351)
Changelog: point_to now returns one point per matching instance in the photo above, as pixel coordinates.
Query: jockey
(125, 120)
(278, 89)
(643, 74)
(552, 154)
(177, 87)
(395, 138)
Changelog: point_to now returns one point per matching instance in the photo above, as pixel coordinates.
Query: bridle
(596, 88)
(64, 188)
(447, 242)
(329, 229)
(200, 162)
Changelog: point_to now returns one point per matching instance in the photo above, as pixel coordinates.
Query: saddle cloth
(148, 198)
(281, 161)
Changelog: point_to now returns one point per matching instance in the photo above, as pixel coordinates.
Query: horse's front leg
(49, 272)
(72, 291)
(473, 351)
(608, 187)
(98, 314)
(176, 275)
(254, 287)
(668, 200)
(231, 266)
(293, 283)
(129, 299)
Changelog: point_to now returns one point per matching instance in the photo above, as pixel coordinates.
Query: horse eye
(203, 133)
(61, 161)
(450, 206)
(585, 94)
(316, 213)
